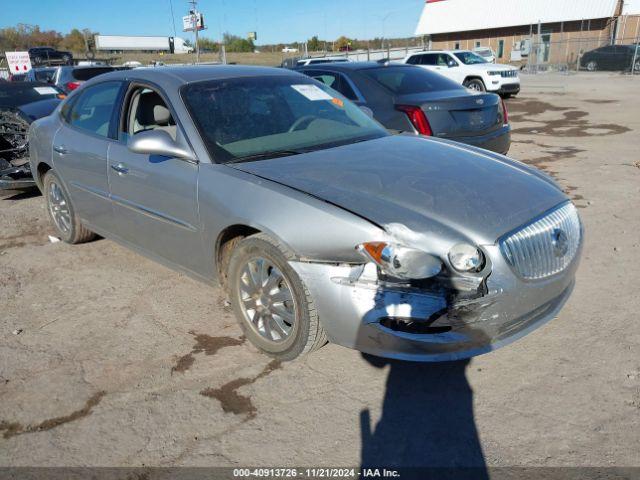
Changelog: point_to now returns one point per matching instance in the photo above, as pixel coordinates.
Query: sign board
(19, 62)
(188, 22)
(252, 36)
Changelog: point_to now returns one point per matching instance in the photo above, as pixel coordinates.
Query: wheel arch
(473, 77)
(41, 170)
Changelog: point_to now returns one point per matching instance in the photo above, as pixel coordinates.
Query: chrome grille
(546, 246)
(509, 73)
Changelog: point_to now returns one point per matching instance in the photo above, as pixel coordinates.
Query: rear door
(155, 197)
(80, 149)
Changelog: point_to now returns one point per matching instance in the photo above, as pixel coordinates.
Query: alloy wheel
(59, 208)
(266, 300)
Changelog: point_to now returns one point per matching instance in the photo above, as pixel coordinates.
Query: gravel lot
(120, 361)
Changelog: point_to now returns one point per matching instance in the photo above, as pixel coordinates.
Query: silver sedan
(319, 224)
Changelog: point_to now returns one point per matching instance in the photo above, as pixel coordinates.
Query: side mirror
(452, 63)
(367, 111)
(158, 142)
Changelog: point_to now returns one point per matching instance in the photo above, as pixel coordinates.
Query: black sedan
(611, 57)
(20, 105)
(405, 98)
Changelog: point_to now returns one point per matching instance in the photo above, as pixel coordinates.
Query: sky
(275, 21)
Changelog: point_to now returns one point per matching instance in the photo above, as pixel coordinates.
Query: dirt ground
(109, 359)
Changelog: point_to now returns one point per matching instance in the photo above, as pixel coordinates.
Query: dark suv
(47, 55)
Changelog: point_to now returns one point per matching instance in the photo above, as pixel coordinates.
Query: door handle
(121, 168)
(61, 149)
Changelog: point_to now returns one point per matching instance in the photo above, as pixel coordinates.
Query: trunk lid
(458, 114)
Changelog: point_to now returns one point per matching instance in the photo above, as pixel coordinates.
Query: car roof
(440, 51)
(351, 66)
(194, 73)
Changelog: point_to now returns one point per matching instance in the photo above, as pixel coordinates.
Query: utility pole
(194, 24)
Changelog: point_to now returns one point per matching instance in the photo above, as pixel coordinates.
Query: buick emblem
(560, 242)
(480, 101)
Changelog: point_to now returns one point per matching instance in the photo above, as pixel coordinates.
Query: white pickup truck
(470, 70)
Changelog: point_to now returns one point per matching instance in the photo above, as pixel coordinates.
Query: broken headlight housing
(466, 258)
(399, 261)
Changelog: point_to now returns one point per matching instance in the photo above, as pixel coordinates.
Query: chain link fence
(581, 54)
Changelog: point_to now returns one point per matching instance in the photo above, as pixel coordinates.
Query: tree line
(23, 37)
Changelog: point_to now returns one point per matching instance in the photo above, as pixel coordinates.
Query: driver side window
(148, 111)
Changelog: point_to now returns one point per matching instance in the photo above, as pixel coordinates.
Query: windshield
(408, 80)
(16, 94)
(470, 58)
(261, 117)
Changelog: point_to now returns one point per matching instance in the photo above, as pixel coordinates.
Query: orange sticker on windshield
(337, 102)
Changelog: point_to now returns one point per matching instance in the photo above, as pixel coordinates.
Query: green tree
(207, 44)
(313, 45)
(234, 43)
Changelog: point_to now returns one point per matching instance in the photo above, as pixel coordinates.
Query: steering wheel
(300, 121)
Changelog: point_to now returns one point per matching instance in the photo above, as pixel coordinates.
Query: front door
(80, 151)
(155, 197)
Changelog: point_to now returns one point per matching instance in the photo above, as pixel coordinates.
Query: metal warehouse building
(551, 32)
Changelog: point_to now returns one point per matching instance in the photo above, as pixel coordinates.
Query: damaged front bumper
(417, 324)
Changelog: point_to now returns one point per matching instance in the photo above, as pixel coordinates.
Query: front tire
(475, 84)
(62, 213)
(272, 305)
(592, 66)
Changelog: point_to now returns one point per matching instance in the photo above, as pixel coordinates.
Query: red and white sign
(19, 62)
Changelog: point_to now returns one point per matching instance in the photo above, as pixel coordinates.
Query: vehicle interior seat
(151, 113)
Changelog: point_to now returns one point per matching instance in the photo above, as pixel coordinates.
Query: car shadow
(427, 423)
(15, 195)
(427, 427)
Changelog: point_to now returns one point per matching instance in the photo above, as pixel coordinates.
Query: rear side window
(84, 74)
(335, 81)
(408, 80)
(93, 110)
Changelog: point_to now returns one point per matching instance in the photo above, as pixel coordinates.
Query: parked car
(318, 60)
(470, 70)
(42, 74)
(611, 57)
(69, 78)
(20, 105)
(48, 55)
(487, 53)
(318, 223)
(406, 98)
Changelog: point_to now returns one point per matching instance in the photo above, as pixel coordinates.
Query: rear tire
(272, 305)
(61, 211)
(475, 84)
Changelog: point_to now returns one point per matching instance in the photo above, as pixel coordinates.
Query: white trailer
(120, 43)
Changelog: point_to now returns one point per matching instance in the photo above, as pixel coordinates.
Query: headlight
(399, 261)
(494, 73)
(466, 258)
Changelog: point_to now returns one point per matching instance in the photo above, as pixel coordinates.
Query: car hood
(494, 67)
(423, 185)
